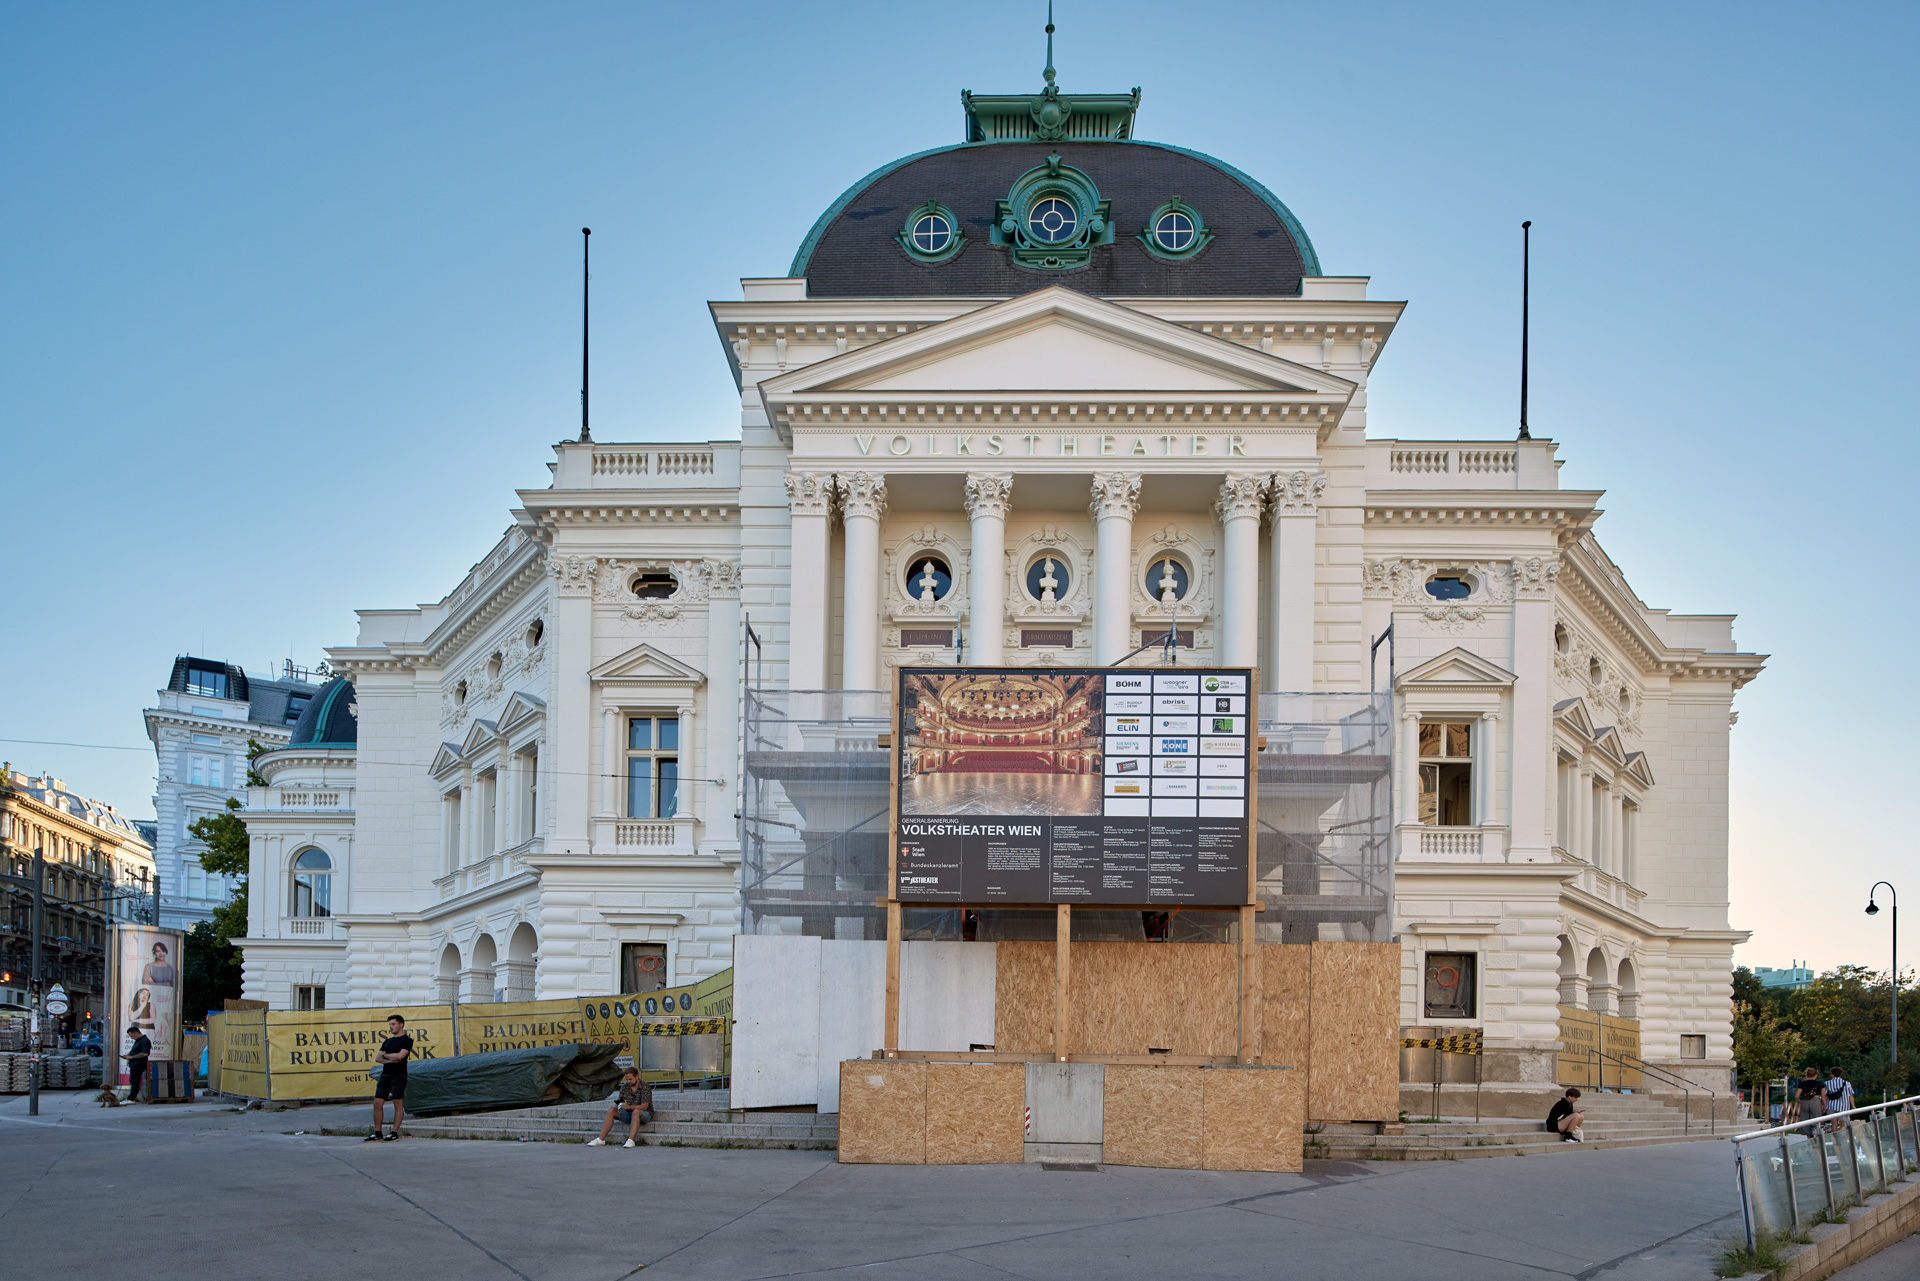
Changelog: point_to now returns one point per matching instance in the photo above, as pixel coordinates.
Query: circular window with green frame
(931, 234)
(1175, 231)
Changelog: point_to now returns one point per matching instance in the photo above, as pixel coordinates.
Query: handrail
(1822, 1119)
(1713, 1096)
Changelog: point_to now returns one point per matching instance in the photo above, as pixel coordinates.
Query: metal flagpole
(586, 277)
(1526, 245)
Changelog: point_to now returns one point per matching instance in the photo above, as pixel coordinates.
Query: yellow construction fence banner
(519, 1025)
(242, 1046)
(1599, 1050)
(328, 1054)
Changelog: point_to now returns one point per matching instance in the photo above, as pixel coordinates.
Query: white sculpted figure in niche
(1048, 583)
(1168, 585)
(927, 583)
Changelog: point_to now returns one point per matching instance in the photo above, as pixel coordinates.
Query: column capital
(1241, 494)
(809, 493)
(1489, 716)
(989, 494)
(1116, 493)
(573, 575)
(862, 493)
(1409, 716)
(1534, 576)
(1298, 493)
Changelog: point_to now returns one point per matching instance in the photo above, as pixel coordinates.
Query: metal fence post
(1820, 1137)
(1746, 1202)
(1793, 1196)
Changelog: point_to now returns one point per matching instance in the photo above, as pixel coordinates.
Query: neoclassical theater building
(1030, 399)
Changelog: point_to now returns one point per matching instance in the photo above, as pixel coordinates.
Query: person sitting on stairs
(633, 1105)
(1566, 1118)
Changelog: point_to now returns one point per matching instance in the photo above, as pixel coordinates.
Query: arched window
(312, 884)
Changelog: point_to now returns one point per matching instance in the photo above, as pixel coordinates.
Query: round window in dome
(1052, 221)
(1173, 231)
(931, 233)
(1047, 578)
(928, 579)
(1166, 574)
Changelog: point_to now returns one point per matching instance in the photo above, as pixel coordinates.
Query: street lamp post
(1873, 908)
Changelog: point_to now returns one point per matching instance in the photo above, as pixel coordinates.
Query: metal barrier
(1687, 1088)
(1792, 1175)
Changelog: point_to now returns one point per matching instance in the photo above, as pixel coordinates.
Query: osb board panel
(1252, 1118)
(883, 1112)
(1023, 996)
(1207, 1020)
(974, 1113)
(1128, 998)
(1283, 1000)
(1354, 1032)
(1153, 1117)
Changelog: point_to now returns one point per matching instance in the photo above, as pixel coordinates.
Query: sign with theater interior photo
(1117, 786)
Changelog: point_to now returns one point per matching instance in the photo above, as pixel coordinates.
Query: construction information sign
(1116, 786)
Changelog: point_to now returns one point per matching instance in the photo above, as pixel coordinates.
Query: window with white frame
(653, 766)
(205, 771)
(1629, 840)
(1693, 1045)
(1563, 803)
(1446, 773)
(312, 884)
(310, 998)
(527, 801)
(450, 819)
(487, 797)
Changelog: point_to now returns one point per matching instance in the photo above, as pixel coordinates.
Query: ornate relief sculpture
(1298, 493)
(989, 494)
(1241, 495)
(722, 577)
(1534, 577)
(1115, 494)
(809, 493)
(572, 575)
(861, 494)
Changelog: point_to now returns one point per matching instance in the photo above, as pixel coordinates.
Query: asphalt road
(200, 1191)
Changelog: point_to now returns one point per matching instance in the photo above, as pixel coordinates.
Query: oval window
(1173, 231)
(654, 586)
(1052, 221)
(928, 579)
(1166, 575)
(1448, 587)
(931, 233)
(1047, 578)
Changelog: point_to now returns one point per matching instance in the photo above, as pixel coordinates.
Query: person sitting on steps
(633, 1105)
(1566, 1118)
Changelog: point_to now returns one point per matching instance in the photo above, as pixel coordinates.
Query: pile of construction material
(57, 1072)
(13, 1033)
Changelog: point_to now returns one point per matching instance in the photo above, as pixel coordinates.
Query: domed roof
(1256, 245)
(329, 720)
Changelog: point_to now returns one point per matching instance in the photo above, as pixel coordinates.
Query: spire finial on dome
(1048, 73)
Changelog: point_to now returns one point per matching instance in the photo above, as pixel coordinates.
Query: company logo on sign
(1174, 746)
(1213, 684)
(1223, 747)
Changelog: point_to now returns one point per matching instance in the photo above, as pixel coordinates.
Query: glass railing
(1794, 1176)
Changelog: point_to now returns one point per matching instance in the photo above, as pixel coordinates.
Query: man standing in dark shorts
(392, 1058)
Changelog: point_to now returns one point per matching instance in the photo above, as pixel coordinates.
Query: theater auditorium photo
(1001, 743)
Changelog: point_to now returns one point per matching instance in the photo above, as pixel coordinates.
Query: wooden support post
(1250, 1029)
(1062, 977)
(891, 1043)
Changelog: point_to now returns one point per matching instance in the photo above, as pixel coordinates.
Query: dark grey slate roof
(1259, 248)
(328, 720)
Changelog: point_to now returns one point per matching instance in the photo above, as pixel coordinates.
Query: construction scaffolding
(814, 835)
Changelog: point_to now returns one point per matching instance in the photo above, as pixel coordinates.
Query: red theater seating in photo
(1001, 763)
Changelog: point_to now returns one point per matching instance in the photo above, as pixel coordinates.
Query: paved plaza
(202, 1191)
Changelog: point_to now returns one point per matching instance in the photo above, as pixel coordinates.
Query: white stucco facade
(492, 845)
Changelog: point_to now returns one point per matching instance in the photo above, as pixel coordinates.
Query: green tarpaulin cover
(513, 1078)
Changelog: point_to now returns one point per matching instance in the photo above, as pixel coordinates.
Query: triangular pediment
(1458, 667)
(480, 736)
(645, 665)
(1056, 340)
(1638, 767)
(520, 709)
(1573, 713)
(445, 761)
(1606, 740)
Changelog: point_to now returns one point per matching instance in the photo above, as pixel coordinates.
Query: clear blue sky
(288, 307)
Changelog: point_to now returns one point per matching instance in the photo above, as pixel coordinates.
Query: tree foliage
(226, 853)
(1842, 1019)
(209, 972)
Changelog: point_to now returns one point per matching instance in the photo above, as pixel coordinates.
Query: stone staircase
(1613, 1121)
(683, 1118)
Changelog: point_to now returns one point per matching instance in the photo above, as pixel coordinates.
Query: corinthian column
(1296, 514)
(988, 497)
(810, 499)
(1241, 498)
(863, 501)
(1116, 497)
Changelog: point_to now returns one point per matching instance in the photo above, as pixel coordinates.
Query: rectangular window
(450, 821)
(1597, 852)
(211, 740)
(643, 967)
(528, 807)
(1446, 773)
(1629, 842)
(208, 681)
(1450, 985)
(487, 797)
(653, 766)
(1563, 803)
(296, 704)
(1693, 1046)
(310, 998)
